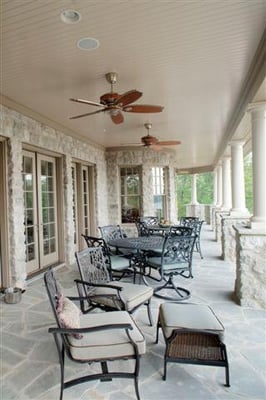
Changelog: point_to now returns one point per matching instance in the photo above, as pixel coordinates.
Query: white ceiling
(195, 58)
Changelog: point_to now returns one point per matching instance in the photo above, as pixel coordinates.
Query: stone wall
(146, 158)
(228, 236)
(21, 130)
(250, 281)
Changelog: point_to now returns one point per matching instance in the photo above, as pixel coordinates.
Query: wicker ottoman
(193, 335)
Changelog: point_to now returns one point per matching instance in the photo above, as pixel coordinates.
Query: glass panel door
(40, 219)
(30, 210)
(74, 205)
(47, 210)
(86, 200)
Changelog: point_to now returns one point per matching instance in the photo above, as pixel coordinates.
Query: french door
(40, 205)
(83, 205)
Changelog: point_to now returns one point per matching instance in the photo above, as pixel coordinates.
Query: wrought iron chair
(149, 220)
(93, 338)
(196, 224)
(175, 259)
(112, 232)
(118, 264)
(181, 230)
(96, 279)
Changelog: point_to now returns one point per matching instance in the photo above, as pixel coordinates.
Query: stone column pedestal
(228, 235)
(250, 283)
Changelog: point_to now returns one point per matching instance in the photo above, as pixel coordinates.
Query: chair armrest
(90, 329)
(105, 285)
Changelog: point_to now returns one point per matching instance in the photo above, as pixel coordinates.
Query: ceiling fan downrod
(111, 78)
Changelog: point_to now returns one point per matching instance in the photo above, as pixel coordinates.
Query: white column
(194, 190)
(219, 185)
(227, 198)
(215, 187)
(258, 129)
(238, 181)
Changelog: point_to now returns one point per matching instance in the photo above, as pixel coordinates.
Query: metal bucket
(13, 295)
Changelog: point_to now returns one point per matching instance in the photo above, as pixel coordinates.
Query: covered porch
(30, 367)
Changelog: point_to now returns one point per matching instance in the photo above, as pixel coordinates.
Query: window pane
(130, 194)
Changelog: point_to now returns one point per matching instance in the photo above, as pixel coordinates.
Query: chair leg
(165, 369)
(136, 381)
(183, 294)
(149, 312)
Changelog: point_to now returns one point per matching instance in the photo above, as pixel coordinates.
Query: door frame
(4, 231)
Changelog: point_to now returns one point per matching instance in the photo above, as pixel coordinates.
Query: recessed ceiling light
(70, 16)
(88, 43)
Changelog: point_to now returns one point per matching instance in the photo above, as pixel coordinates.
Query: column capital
(257, 107)
(237, 142)
(226, 157)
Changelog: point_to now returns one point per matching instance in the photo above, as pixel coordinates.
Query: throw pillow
(68, 315)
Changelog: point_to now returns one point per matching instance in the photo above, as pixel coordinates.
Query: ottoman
(193, 335)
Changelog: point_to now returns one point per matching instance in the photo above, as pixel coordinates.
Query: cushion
(132, 294)
(107, 344)
(68, 314)
(189, 316)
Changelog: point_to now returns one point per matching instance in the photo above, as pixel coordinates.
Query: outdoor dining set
(119, 274)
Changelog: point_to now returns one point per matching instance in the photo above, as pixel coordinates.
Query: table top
(144, 243)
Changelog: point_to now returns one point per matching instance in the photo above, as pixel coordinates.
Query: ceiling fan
(115, 103)
(153, 142)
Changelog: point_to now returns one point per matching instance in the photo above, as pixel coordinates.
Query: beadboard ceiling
(198, 59)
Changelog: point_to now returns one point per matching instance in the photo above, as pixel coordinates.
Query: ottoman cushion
(174, 316)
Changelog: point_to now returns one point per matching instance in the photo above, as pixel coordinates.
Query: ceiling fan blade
(85, 115)
(91, 103)
(117, 118)
(143, 108)
(169, 143)
(128, 97)
(155, 147)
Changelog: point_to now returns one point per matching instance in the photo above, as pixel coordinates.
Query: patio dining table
(140, 247)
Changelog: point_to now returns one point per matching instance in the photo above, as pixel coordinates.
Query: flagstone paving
(29, 362)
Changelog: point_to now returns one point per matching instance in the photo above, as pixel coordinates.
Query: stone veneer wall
(228, 235)
(20, 129)
(147, 159)
(250, 283)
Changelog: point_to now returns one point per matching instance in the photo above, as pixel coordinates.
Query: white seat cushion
(132, 295)
(189, 316)
(107, 344)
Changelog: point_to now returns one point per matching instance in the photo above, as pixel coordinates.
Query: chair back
(178, 249)
(181, 230)
(92, 265)
(188, 221)
(111, 232)
(53, 291)
(142, 228)
(92, 241)
(149, 220)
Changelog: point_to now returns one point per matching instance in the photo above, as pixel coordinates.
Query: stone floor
(29, 366)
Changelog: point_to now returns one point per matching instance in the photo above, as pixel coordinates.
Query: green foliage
(184, 189)
(248, 182)
(205, 188)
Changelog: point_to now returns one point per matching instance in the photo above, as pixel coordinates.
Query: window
(130, 194)
(159, 192)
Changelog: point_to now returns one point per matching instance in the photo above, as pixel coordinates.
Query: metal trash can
(13, 295)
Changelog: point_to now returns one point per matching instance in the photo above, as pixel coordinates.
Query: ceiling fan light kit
(115, 103)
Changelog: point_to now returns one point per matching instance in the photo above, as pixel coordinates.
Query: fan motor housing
(109, 98)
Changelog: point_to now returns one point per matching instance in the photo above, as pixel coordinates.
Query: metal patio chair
(95, 338)
(119, 265)
(96, 280)
(175, 259)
